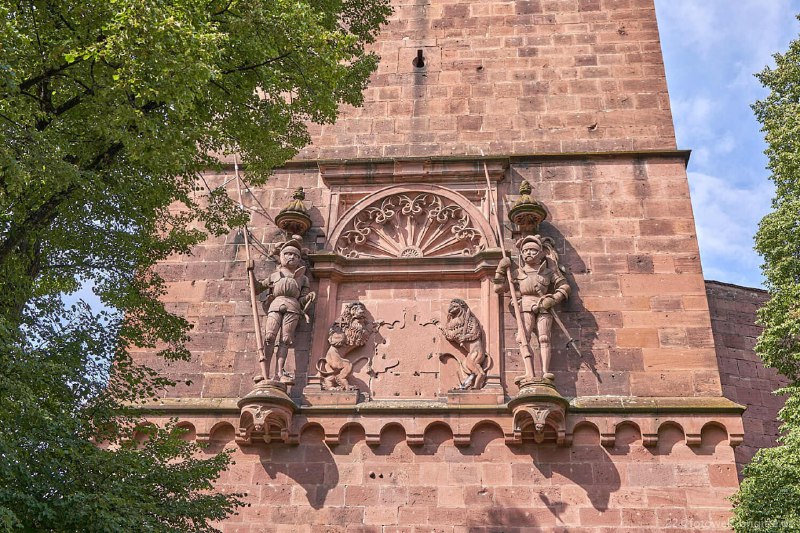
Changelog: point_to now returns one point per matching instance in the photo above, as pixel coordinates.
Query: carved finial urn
(294, 219)
(527, 212)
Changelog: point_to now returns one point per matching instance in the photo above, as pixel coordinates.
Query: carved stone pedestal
(539, 410)
(266, 414)
(331, 397)
(486, 396)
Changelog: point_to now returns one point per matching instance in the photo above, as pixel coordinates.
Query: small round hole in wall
(419, 60)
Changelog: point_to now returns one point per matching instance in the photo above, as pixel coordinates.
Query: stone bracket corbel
(537, 408)
(266, 414)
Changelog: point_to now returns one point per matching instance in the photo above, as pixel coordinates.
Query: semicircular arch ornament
(409, 225)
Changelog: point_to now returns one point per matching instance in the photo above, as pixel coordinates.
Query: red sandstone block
(446, 516)
(463, 473)
(531, 474)
(637, 517)
(286, 514)
(709, 497)
(706, 382)
(627, 498)
(723, 475)
(593, 517)
(275, 495)
(672, 518)
(679, 358)
(408, 516)
(664, 284)
(381, 515)
(666, 497)
(609, 264)
(422, 496)
(616, 303)
(662, 264)
(393, 496)
(661, 384)
(495, 474)
(478, 496)
(667, 303)
(672, 318)
(236, 528)
(637, 337)
(691, 475)
(607, 474)
(343, 515)
(513, 496)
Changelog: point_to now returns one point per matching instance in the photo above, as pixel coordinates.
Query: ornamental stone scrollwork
(408, 225)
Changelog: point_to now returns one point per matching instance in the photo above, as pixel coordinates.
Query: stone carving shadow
(571, 370)
(502, 519)
(349, 436)
(435, 435)
(391, 436)
(586, 463)
(311, 465)
(711, 436)
(482, 435)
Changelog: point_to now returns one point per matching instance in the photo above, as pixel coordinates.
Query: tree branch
(72, 102)
(30, 82)
(257, 65)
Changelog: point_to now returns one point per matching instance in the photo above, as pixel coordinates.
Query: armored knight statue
(464, 331)
(286, 295)
(542, 286)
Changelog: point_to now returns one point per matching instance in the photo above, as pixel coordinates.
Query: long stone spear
(522, 336)
(251, 280)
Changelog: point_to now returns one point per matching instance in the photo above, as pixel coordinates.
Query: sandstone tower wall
(745, 380)
(636, 432)
(510, 77)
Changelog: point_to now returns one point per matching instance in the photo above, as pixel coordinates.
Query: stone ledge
(581, 405)
(655, 405)
(516, 158)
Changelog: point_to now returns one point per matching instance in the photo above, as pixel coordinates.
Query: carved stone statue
(350, 331)
(286, 295)
(541, 286)
(465, 332)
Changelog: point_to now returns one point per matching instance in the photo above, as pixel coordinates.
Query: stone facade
(745, 380)
(633, 432)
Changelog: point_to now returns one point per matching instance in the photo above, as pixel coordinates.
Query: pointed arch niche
(405, 250)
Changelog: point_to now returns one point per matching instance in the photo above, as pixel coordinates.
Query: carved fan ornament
(408, 225)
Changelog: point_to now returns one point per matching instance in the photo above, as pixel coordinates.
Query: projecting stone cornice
(366, 167)
(582, 405)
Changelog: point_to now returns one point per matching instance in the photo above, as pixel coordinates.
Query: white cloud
(746, 30)
(712, 48)
(693, 116)
(727, 217)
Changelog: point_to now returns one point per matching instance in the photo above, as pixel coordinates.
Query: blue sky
(712, 48)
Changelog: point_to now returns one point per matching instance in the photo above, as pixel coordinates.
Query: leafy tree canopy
(109, 111)
(769, 497)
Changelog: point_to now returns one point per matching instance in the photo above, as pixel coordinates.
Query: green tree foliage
(109, 110)
(769, 497)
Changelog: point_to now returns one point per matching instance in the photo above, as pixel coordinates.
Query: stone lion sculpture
(350, 331)
(464, 331)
